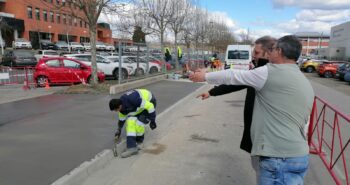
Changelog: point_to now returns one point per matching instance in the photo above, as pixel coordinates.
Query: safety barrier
(329, 137)
(17, 75)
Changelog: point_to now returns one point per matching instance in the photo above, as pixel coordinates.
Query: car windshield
(74, 43)
(23, 53)
(61, 43)
(238, 54)
(21, 40)
(100, 43)
(45, 41)
(51, 53)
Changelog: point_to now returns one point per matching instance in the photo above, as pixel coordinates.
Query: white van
(238, 57)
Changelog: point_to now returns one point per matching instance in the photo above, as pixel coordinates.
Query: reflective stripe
(131, 134)
(134, 127)
(149, 107)
(121, 116)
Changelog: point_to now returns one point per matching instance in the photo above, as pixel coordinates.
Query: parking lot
(337, 85)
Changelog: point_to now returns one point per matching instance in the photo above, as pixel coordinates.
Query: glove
(117, 134)
(153, 125)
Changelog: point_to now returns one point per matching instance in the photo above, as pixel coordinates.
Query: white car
(110, 47)
(75, 46)
(86, 46)
(45, 54)
(22, 43)
(107, 66)
(100, 46)
(152, 67)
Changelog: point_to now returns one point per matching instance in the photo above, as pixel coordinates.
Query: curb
(131, 85)
(102, 159)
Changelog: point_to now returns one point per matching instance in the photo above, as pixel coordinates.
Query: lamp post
(49, 31)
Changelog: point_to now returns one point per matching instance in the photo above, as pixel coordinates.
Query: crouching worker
(136, 108)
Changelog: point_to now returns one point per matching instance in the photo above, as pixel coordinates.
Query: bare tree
(89, 11)
(160, 14)
(180, 9)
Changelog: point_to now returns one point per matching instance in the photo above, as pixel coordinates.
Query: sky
(279, 17)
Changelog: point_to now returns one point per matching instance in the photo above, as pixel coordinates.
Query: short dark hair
(114, 104)
(266, 42)
(290, 46)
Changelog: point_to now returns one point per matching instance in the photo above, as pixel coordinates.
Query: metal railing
(329, 138)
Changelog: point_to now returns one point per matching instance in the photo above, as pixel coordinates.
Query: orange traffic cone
(47, 85)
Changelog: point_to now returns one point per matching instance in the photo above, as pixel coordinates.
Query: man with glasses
(282, 106)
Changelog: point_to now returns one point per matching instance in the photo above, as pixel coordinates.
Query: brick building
(40, 19)
(312, 41)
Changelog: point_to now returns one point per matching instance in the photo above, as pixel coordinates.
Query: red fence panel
(16, 75)
(329, 137)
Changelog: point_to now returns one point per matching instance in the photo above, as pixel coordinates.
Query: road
(43, 138)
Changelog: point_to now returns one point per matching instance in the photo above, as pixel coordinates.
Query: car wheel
(309, 69)
(116, 74)
(153, 70)
(41, 81)
(139, 72)
(328, 74)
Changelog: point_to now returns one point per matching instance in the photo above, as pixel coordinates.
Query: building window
(51, 16)
(85, 24)
(58, 18)
(64, 20)
(81, 23)
(45, 15)
(70, 20)
(51, 1)
(75, 22)
(30, 12)
(37, 14)
(58, 2)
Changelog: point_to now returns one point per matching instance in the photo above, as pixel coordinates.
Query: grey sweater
(282, 106)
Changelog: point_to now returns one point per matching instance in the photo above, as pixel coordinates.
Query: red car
(63, 70)
(159, 62)
(328, 69)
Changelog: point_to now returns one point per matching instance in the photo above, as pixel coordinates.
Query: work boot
(129, 152)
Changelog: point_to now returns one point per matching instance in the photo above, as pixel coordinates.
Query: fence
(329, 137)
(17, 75)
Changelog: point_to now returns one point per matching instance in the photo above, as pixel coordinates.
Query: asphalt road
(43, 138)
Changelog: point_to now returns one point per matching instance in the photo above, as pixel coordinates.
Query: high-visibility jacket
(179, 52)
(135, 102)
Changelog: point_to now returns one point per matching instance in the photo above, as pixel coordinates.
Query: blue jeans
(283, 171)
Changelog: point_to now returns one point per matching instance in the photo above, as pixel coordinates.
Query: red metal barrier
(17, 75)
(329, 137)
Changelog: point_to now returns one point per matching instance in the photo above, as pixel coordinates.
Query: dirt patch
(102, 88)
(155, 149)
(198, 138)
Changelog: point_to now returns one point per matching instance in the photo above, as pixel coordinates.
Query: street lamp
(49, 31)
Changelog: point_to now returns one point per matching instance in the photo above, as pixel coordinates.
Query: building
(36, 20)
(340, 40)
(312, 41)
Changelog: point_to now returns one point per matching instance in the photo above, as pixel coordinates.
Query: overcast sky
(277, 17)
(280, 17)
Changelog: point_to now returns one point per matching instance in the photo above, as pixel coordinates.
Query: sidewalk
(197, 143)
(10, 93)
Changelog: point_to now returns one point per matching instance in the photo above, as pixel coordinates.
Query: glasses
(273, 48)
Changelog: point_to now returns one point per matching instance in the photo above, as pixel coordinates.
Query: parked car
(109, 67)
(100, 46)
(46, 54)
(47, 44)
(76, 46)
(347, 76)
(159, 62)
(22, 43)
(61, 45)
(62, 70)
(152, 67)
(342, 70)
(87, 46)
(311, 65)
(17, 58)
(328, 69)
(110, 47)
